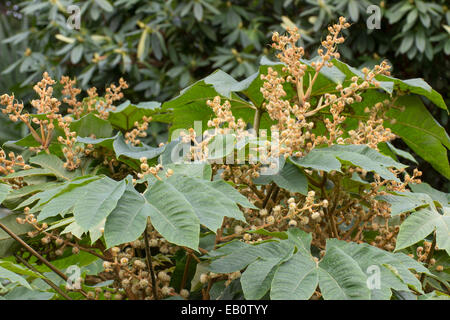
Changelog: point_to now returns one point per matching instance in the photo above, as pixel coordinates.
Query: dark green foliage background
(161, 46)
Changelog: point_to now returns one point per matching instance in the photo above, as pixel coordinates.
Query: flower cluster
(43, 123)
(139, 132)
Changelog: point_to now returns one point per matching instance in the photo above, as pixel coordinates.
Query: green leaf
(296, 279)
(209, 204)
(353, 10)
(198, 11)
(18, 269)
(195, 170)
(420, 40)
(401, 153)
(126, 114)
(101, 197)
(330, 158)
(405, 202)
(76, 54)
(54, 190)
(90, 124)
(29, 173)
(436, 195)
(4, 191)
(172, 215)
(59, 200)
(13, 277)
(190, 106)
(394, 269)
(257, 278)
(121, 148)
(105, 5)
(9, 246)
(55, 165)
(128, 219)
(421, 132)
(103, 142)
(420, 224)
(341, 278)
(231, 193)
(289, 177)
(345, 272)
(25, 293)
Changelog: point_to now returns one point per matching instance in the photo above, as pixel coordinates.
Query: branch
(46, 280)
(149, 263)
(429, 256)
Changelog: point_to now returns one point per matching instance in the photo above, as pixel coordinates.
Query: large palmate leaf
(195, 201)
(420, 224)
(345, 272)
(127, 221)
(91, 199)
(231, 193)
(210, 205)
(332, 158)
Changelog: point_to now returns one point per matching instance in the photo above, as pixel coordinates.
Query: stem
(149, 263)
(33, 252)
(429, 256)
(34, 133)
(330, 213)
(257, 120)
(186, 271)
(219, 234)
(269, 193)
(46, 280)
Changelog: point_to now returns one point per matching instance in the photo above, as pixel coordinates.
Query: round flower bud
(166, 290)
(143, 283)
(184, 293)
(292, 223)
(238, 229)
(315, 215)
(204, 278)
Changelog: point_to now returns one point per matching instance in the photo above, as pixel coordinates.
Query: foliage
(163, 47)
(290, 189)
